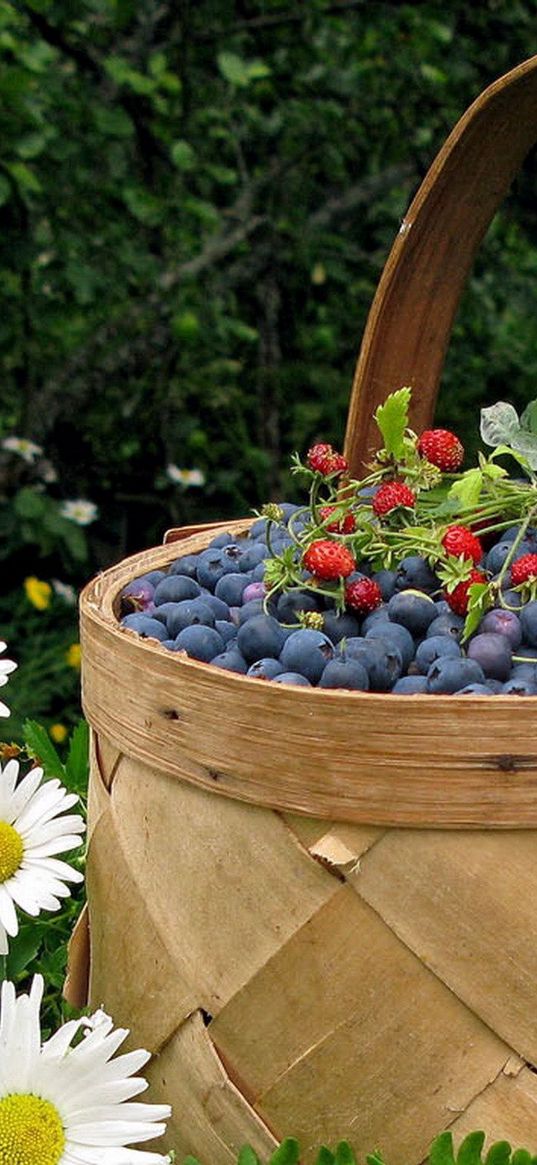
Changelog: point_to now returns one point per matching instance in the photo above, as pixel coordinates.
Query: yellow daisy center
(31, 1131)
(11, 853)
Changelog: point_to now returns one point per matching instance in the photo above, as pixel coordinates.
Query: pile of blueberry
(212, 606)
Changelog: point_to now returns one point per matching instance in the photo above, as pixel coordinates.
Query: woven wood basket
(319, 909)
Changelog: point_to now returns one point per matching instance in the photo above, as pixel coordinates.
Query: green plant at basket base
(442, 1152)
(483, 496)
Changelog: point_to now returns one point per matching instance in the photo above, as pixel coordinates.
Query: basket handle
(410, 321)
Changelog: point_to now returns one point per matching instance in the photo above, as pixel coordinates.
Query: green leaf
(499, 1153)
(500, 451)
(499, 423)
(29, 504)
(40, 747)
(441, 1151)
(189, 1160)
(324, 1156)
(144, 206)
(23, 951)
(528, 419)
(287, 1153)
(375, 1158)
(234, 69)
(467, 489)
(345, 1154)
(247, 1156)
(521, 1157)
(77, 763)
(470, 1149)
(479, 601)
(25, 178)
(5, 190)
(182, 155)
(392, 420)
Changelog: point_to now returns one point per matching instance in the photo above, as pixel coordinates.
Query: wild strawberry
(391, 495)
(344, 525)
(363, 595)
(524, 570)
(324, 459)
(459, 540)
(328, 560)
(458, 598)
(442, 449)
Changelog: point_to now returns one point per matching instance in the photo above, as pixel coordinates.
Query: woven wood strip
(356, 1036)
(210, 1118)
(470, 912)
(507, 1109)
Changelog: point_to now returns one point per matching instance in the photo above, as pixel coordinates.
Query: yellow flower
(73, 655)
(38, 592)
(58, 732)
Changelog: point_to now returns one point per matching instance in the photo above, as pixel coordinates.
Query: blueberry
(259, 572)
(437, 647)
(250, 610)
(524, 671)
(230, 588)
(446, 624)
(200, 642)
(219, 609)
(526, 652)
(232, 556)
(410, 686)
(231, 660)
(176, 587)
(187, 565)
(382, 660)
(415, 573)
(386, 582)
(498, 554)
(259, 528)
(288, 508)
(145, 626)
(307, 651)
(290, 603)
(292, 677)
(345, 673)
(153, 577)
(252, 556)
(254, 590)
(442, 607)
(339, 627)
(512, 598)
(380, 615)
(528, 619)
(397, 635)
(265, 669)
(137, 596)
(493, 653)
(227, 630)
(517, 686)
(413, 610)
(446, 676)
(475, 690)
(259, 637)
(210, 568)
(505, 623)
(221, 540)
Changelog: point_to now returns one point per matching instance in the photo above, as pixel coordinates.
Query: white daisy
(185, 476)
(6, 667)
(33, 828)
(28, 450)
(80, 511)
(64, 1105)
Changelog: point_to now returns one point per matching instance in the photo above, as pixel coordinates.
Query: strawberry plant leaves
(247, 1156)
(467, 489)
(469, 1152)
(522, 1157)
(499, 424)
(40, 747)
(287, 1153)
(479, 601)
(345, 1154)
(441, 1151)
(528, 419)
(324, 1156)
(392, 420)
(77, 763)
(499, 1153)
(375, 1158)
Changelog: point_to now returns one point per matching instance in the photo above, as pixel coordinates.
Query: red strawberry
(458, 598)
(391, 495)
(344, 525)
(324, 459)
(459, 540)
(442, 449)
(363, 595)
(328, 560)
(524, 570)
